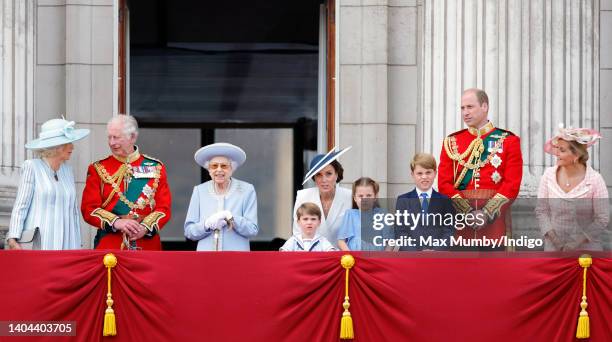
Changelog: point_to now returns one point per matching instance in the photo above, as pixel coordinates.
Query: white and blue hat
(56, 132)
(222, 149)
(320, 161)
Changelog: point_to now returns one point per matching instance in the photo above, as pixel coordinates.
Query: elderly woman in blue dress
(46, 213)
(222, 214)
(328, 195)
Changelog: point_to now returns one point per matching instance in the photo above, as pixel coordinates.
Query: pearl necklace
(226, 188)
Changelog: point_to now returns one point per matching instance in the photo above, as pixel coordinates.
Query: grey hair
(128, 122)
(49, 152)
(232, 162)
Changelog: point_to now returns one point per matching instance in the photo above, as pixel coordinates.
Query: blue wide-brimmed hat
(320, 161)
(56, 132)
(221, 149)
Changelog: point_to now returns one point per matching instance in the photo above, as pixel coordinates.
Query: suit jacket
(438, 204)
(330, 225)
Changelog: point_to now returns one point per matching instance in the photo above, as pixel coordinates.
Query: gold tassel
(110, 326)
(583, 329)
(346, 324)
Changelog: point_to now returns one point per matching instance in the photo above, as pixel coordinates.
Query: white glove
(215, 221)
(227, 214)
(221, 223)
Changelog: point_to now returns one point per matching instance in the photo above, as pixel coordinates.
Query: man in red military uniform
(126, 195)
(481, 168)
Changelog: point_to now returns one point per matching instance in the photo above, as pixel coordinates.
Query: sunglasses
(222, 166)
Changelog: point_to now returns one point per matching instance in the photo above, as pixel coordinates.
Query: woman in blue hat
(328, 195)
(45, 214)
(222, 214)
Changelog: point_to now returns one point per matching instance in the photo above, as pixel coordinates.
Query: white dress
(49, 204)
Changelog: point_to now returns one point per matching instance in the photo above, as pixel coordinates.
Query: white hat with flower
(56, 132)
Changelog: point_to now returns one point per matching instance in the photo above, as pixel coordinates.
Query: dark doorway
(209, 71)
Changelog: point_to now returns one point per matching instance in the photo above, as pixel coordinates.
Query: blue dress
(240, 200)
(49, 204)
(360, 238)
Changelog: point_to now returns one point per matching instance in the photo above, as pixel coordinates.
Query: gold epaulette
(459, 131)
(506, 131)
(155, 159)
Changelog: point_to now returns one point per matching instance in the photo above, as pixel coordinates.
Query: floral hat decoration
(584, 136)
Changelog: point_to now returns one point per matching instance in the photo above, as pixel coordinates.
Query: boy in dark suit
(432, 229)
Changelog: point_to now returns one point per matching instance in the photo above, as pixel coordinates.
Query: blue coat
(438, 204)
(240, 200)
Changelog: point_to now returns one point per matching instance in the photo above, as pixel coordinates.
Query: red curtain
(261, 296)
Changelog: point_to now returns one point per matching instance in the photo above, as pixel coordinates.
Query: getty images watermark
(403, 220)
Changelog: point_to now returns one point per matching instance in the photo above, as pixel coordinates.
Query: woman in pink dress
(573, 208)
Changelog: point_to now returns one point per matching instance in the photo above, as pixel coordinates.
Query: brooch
(496, 177)
(496, 161)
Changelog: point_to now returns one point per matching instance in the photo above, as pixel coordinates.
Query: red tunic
(106, 199)
(489, 168)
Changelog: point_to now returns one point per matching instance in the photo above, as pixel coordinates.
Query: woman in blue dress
(222, 214)
(45, 209)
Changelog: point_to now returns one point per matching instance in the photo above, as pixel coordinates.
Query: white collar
(428, 192)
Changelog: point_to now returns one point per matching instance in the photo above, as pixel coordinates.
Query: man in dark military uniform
(126, 196)
(481, 168)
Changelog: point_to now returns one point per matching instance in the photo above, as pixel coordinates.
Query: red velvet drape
(232, 296)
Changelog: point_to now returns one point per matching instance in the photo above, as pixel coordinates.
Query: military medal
(496, 177)
(496, 161)
(491, 146)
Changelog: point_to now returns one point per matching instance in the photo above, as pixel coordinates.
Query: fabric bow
(68, 130)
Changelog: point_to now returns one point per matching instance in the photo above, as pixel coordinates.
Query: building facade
(400, 68)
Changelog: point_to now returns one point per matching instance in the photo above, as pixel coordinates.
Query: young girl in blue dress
(353, 236)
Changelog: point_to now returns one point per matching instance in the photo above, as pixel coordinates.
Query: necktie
(424, 202)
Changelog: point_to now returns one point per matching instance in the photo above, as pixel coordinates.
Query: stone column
(537, 59)
(17, 21)
(605, 95)
(378, 90)
(363, 38)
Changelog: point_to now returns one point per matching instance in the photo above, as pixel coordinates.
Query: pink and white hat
(584, 136)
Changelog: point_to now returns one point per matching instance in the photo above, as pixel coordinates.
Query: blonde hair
(579, 150)
(424, 160)
(308, 208)
(49, 152)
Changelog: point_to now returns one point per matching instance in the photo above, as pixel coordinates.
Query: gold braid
(116, 179)
(474, 150)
